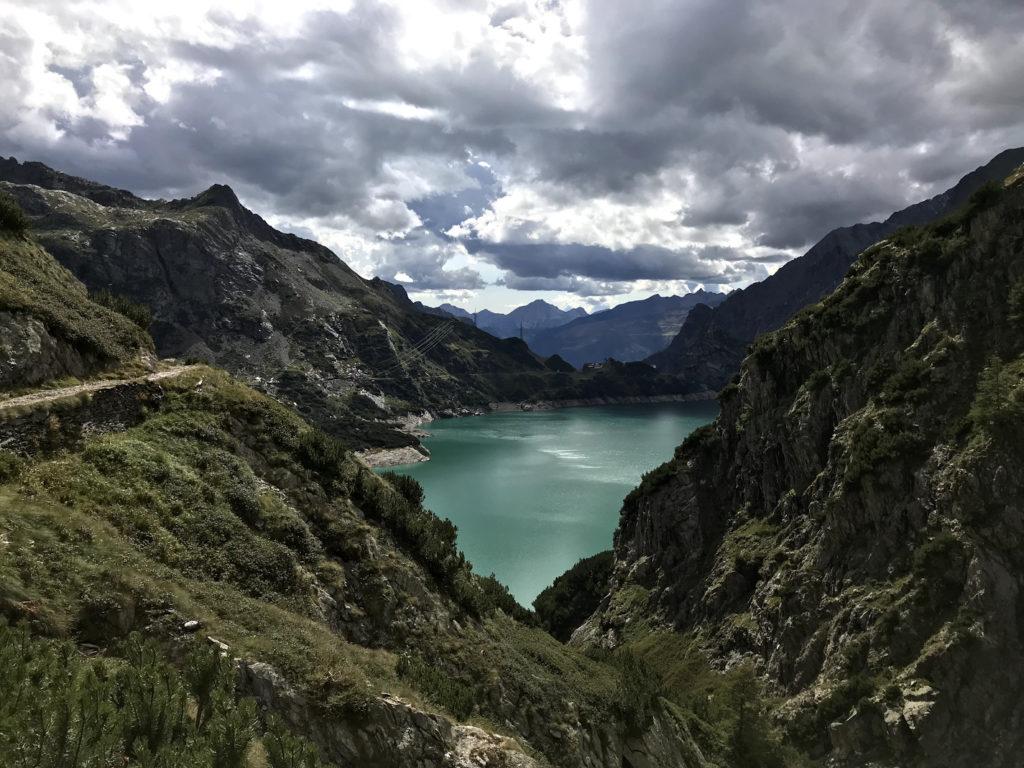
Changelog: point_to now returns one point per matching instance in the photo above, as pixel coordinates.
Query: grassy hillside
(50, 327)
(225, 508)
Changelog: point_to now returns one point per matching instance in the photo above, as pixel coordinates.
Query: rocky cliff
(852, 522)
(712, 343)
(49, 328)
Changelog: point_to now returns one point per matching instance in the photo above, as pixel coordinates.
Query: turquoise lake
(533, 492)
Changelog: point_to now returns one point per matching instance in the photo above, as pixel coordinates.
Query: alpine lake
(532, 492)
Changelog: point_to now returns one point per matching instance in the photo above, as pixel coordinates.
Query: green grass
(12, 218)
(179, 518)
(32, 282)
(66, 710)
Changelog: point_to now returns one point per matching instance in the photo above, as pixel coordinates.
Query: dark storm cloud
(771, 121)
(650, 262)
(568, 284)
(418, 262)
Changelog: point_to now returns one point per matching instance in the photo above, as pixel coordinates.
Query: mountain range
(192, 573)
(630, 331)
(526, 320)
(707, 351)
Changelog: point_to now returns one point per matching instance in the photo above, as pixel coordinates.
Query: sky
(488, 153)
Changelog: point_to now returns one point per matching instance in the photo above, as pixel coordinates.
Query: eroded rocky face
(854, 519)
(709, 348)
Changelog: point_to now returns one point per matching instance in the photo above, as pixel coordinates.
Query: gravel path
(46, 395)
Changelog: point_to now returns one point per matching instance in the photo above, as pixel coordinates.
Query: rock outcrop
(853, 522)
(712, 343)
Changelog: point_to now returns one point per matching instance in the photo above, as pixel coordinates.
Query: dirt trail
(46, 395)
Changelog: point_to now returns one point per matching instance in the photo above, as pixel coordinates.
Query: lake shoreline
(383, 458)
(593, 402)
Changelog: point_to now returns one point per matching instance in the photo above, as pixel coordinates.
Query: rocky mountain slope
(709, 347)
(281, 312)
(628, 332)
(852, 522)
(528, 320)
(200, 579)
(49, 327)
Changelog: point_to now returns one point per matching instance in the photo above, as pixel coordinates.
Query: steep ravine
(853, 522)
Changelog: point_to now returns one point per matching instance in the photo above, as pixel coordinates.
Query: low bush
(64, 710)
(440, 687)
(12, 218)
(998, 406)
(138, 313)
(574, 595)
(405, 485)
(877, 440)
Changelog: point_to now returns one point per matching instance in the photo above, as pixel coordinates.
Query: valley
(823, 521)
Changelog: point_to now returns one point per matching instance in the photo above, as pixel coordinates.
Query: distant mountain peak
(218, 194)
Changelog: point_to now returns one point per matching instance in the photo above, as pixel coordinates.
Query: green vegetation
(409, 487)
(139, 314)
(748, 546)
(32, 282)
(574, 595)
(64, 710)
(12, 218)
(726, 710)
(880, 438)
(451, 693)
(998, 406)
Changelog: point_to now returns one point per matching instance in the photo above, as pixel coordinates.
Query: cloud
(576, 146)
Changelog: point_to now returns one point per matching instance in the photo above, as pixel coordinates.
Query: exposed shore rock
(393, 457)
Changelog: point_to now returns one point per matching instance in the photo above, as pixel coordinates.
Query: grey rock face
(853, 520)
(710, 346)
(30, 354)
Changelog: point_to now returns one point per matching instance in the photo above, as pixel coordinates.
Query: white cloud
(578, 145)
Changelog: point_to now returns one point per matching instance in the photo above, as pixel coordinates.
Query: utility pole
(521, 330)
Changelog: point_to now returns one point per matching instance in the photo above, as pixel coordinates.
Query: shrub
(638, 692)
(59, 708)
(285, 750)
(998, 406)
(439, 686)
(574, 595)
(138, 313)
(12, 218)
(409, 487)
(878, 440)
(10, 466)
(495, 595)
(1016, 302)
(321, 452)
